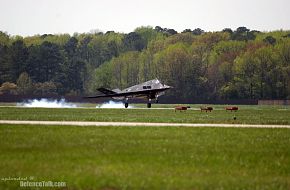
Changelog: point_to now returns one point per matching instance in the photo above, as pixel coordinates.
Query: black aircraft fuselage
(148, 90)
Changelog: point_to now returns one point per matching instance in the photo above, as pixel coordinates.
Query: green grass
(246, 115)
(147, 157)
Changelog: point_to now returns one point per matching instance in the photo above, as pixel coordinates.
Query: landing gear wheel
(148, 105)
(126, 105)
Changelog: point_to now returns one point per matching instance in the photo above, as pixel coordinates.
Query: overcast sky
(29, 17)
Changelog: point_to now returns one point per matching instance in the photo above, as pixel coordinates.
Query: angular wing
(126, 94)
(106, 91)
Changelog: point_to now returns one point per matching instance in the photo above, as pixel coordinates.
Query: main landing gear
(148, 104)
(126, 103)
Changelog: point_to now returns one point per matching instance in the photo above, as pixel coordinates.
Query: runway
(135, 124)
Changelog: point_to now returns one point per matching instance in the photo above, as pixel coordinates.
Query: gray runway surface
(133, 124)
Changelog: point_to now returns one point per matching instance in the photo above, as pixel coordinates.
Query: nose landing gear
(156, 99)
(149, 103)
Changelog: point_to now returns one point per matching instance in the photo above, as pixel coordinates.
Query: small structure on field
(181, 108)
(232, 108)
(206, 108)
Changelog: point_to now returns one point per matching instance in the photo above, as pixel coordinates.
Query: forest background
(227, 65)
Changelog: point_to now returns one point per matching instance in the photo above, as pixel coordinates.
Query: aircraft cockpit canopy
(146, 87)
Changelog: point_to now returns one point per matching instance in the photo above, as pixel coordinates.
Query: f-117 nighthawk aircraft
(148, 90)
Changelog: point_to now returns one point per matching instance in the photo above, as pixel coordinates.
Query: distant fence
(169, 100)
(273, 102)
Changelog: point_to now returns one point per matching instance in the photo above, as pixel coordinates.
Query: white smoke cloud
(112, 104)
(46, 103)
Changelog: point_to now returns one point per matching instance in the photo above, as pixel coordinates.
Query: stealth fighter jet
(149, 90)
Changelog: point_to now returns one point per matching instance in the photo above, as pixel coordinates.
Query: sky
(30, 17)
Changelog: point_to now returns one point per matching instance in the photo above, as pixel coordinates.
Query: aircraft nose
(166, 86)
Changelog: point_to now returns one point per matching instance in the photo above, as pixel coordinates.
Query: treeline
(229, 64)
(55, 64)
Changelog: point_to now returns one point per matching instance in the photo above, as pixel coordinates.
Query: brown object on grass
(206, 108)
(232, 108)
(181, 108)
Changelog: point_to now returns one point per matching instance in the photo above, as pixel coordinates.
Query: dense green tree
(170, 31)
(134, 42)
(19, 56)
(158, 29)
(97, 51)
(271, 40)
(147, 34)
(166, 31)
(266, 59)
(5, 62)
(45, 62)
(186, 38)
(197, 31)
(228, 30)
(84, 40)
(243, 34)
(4, 39)
(222, 60)
(174, 64)
(75, 72)
(6, 72)
(104, 76)
(246, 81)
(240, 64)
(283, 51)
(71, 46)
(187, 31)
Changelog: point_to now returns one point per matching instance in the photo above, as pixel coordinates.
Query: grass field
(146, 158)
(246, 115)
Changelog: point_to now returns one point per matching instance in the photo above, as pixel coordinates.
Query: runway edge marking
(136, 124)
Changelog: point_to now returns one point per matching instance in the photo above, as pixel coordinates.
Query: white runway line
(135, 124)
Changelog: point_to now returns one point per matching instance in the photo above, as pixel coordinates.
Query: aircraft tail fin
(106, 91)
